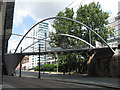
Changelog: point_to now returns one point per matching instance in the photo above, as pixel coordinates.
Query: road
(25, 82)
(32, 82)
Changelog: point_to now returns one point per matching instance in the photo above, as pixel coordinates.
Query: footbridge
(104, 52)
(13, 59)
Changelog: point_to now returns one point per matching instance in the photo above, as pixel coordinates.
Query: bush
(46, 67)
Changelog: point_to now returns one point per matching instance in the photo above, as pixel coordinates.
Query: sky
(28, 12)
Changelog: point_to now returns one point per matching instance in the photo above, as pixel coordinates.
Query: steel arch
(62, 35)
(65, 19)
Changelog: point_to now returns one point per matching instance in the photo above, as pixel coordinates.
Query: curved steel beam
(62, 35)
(66, 19)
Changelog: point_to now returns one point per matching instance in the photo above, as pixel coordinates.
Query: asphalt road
(25, 82)
(32, 82)
(35, 83)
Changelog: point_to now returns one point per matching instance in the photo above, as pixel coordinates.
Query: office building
(115, 23)
(114, 41)
(38, 32)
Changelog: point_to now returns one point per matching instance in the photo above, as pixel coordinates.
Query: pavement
(0, 86)
(5, 85)
(103, 82)
(107, 82)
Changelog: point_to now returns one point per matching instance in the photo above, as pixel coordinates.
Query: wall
(105, 67)
(114, 68)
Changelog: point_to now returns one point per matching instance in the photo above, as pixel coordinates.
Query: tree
(91, 15)
(63, 26)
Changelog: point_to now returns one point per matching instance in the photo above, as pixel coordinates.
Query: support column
(2, 17)
(0, 61)
(0, 45)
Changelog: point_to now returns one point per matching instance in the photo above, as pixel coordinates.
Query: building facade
(39, 32)
(114, 23)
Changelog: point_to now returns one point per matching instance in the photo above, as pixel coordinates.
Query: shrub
(46, 67)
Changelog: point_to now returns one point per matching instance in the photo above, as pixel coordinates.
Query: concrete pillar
(2, 17)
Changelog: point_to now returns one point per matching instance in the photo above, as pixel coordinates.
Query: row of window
(43, 28)
(43, 25)
(41, 42)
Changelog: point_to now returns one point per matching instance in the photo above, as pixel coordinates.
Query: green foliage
(93, 16)
(46, 67)
(63, 26)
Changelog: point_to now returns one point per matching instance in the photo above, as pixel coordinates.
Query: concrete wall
(8, 21)
(114, 67)
(105, 67)
(12, 61)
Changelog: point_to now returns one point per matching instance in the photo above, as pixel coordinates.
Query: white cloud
(19, 15)
(110, 6)
(25, 31)
(37, 10)
(40, 9)
(12, 44)
(14, 40)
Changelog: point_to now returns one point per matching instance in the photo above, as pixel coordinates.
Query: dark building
(6, 22)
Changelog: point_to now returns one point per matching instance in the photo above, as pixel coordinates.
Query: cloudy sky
(28, 12)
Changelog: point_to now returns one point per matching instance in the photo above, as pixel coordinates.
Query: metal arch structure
(62, 35)
(65, 19)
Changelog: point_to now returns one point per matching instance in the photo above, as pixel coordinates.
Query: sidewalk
(8, 86)
(97, 81)
(5, 85)
(101, 81)
(0, 86)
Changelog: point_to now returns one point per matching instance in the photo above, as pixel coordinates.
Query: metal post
(20, 65)
(57, 66)
(39, 63)
(56, 61)
(89, 36)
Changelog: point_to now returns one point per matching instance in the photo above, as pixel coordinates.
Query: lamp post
(20, 65)
(39, 63)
